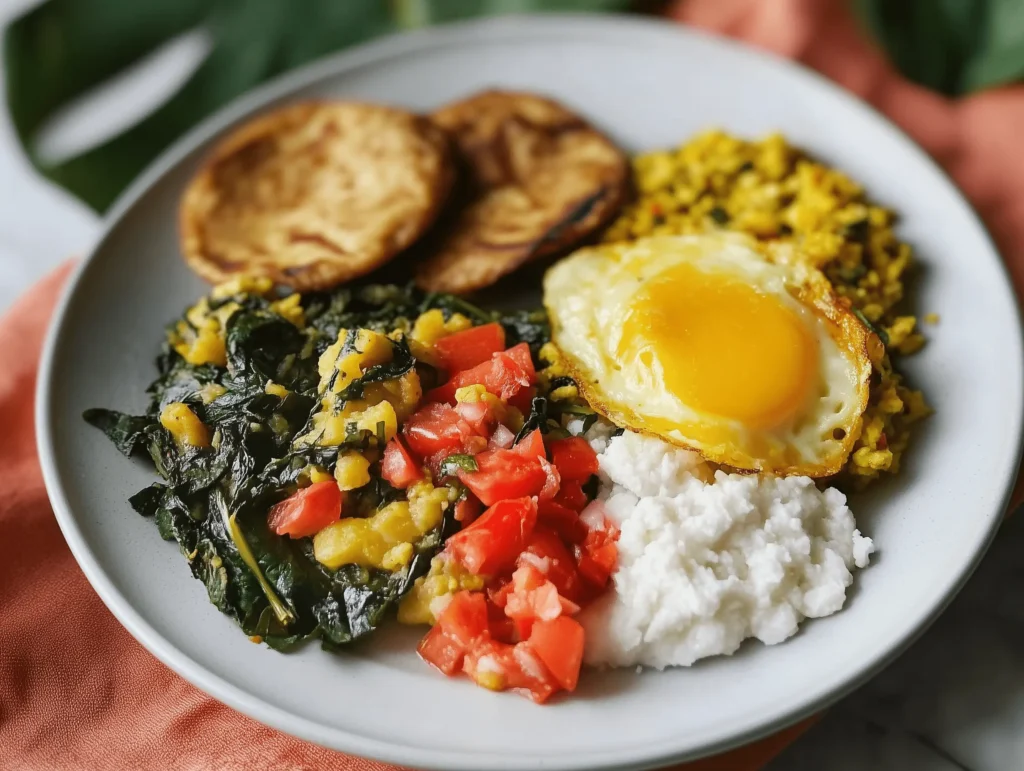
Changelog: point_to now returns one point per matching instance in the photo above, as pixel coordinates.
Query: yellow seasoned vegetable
(257, 285)
(425, 599)
(274, 389)
(352, 471)
(184, 425)
(351, 358)
(290, 308)
(431, 326)
(384, 540)
(211, 392)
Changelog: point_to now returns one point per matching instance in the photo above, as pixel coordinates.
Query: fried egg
(705, 342)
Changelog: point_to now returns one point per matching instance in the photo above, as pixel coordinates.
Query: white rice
(708, 559)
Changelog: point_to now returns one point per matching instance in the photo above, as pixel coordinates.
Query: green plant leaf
(62, 49)
(952, 46)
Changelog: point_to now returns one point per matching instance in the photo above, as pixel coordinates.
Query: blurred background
(94, 90)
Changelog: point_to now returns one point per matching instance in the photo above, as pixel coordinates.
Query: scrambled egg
(773, 192)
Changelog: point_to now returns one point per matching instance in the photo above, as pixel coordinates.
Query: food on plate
(646, 473)
(703, 341)
(315, 194)
(707, 559)
(325, 457)
(806, 211)
(538, 179)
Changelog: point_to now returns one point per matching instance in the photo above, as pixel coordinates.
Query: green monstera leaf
(952, 46)
(63, 49)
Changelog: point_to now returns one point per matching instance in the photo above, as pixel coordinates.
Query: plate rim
(578, 25)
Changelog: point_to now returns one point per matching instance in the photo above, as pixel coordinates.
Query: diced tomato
(500, 666)
(571, 495)
(558, 643)
(503, 474)
(575, 459)
(478, 415)
(598, 555)
(546, 552)
(499, 593)
(531, 445)
(441, 650)
(562, 520)
(492, 543)
(307, 511)
(467, 509)
(505, 375)
(521, 355)
(434, 428)
(470, 347)
(531, 678)
(465, 617)
(592, 571)
(462, 624)
(503, 629)
(398, 466)
(533, 598)
(522, 400)
(552, 481)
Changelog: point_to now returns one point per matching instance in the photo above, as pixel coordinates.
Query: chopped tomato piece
(467, 509)
(575, 459)
(462, 624)
(398, 466)
(478, 415)
(441, 650)
(505, 375)
(534, 598)
(503, 629)
(592, 571)
(432, 429)
(470, 347)
(498, 595)
(562, 520)
(465, 617)
(531, 678)
(531, 445)
(546, 552)
(499, 666)
(503, 474)
(492, 543)
(439, 428)
(598, 555)
(552, 481)
(307, 511)
(558, 643)
(571, 495)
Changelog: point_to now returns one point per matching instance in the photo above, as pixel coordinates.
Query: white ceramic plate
(649, 85)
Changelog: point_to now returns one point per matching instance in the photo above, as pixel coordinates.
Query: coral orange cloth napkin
(77, 692)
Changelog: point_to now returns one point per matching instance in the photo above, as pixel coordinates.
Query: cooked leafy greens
(213, 500)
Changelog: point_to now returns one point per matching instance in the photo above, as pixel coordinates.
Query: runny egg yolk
(724, 348)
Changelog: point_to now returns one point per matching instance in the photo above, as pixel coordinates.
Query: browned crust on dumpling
(539, 179)
(315, 194)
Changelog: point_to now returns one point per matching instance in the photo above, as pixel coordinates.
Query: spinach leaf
(258, 342)
(213, 500)
(129, 433)
(531, 327)
(951, 46)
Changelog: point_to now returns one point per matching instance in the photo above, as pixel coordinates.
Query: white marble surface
(955, 700)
